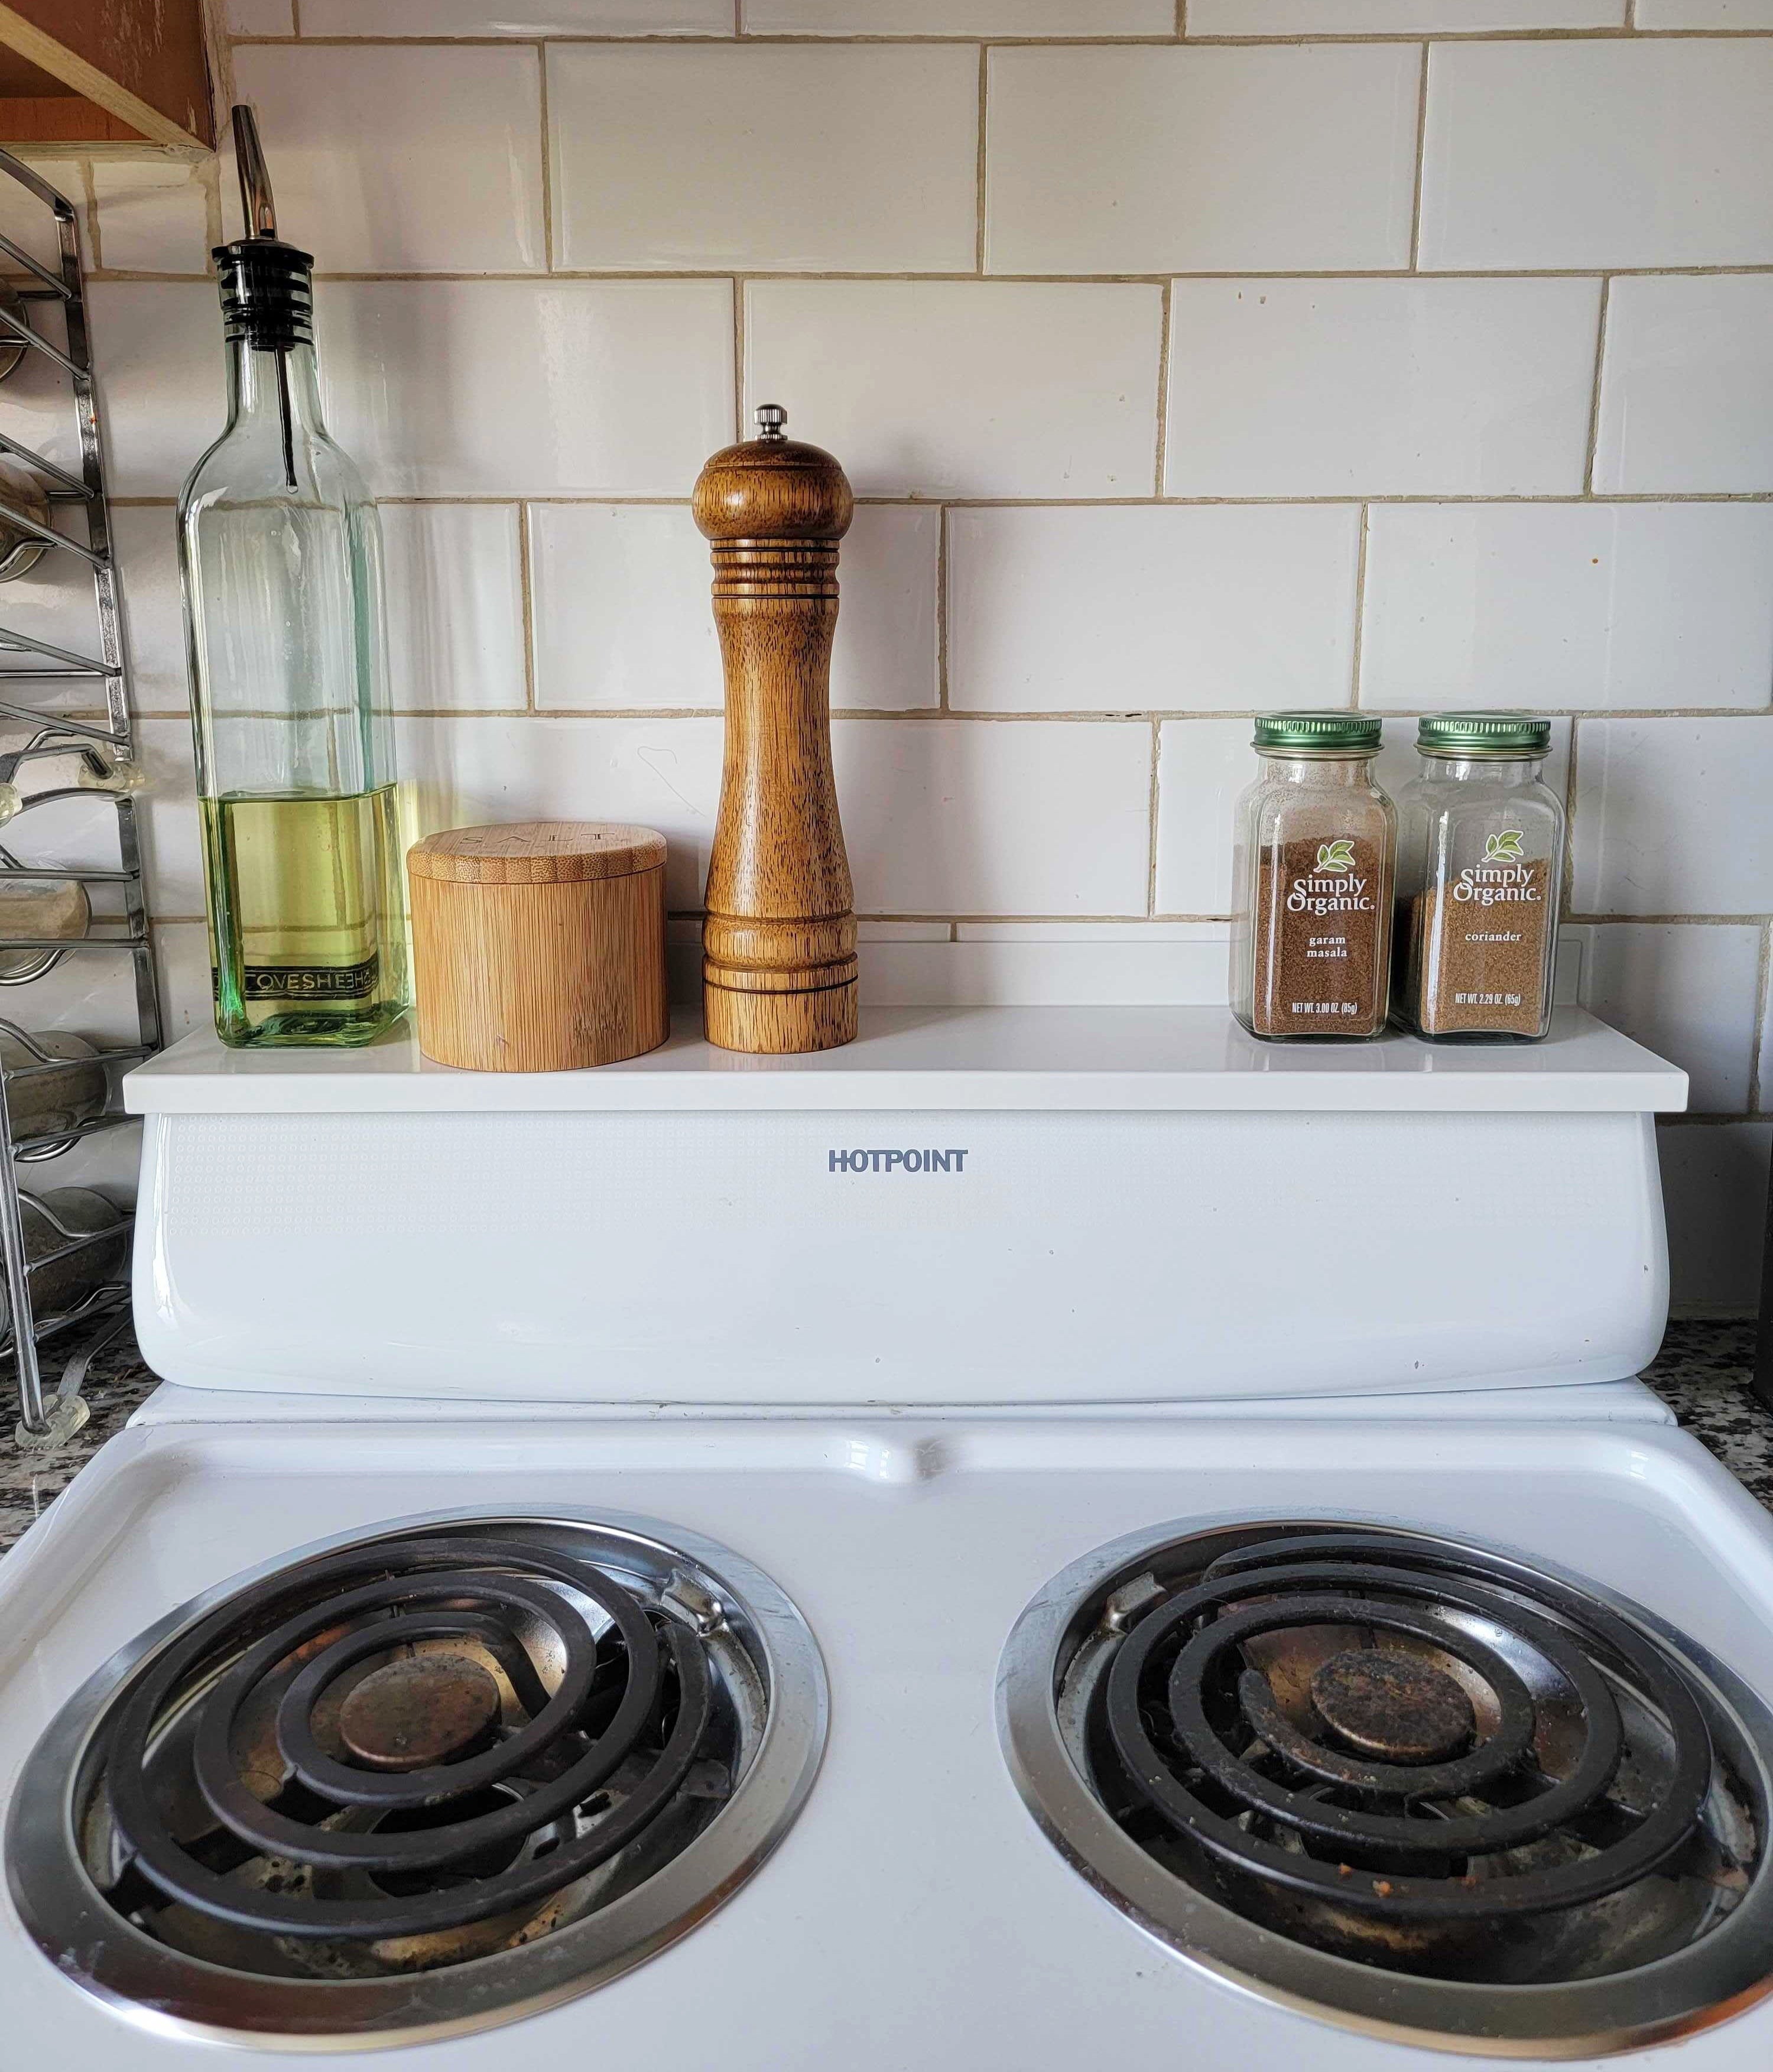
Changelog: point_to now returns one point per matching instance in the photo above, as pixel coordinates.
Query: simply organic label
(1332, 885)
(1503, 878)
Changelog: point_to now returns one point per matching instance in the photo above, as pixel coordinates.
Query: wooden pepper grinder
(778, 943)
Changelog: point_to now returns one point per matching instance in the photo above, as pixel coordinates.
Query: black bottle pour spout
(267, 286)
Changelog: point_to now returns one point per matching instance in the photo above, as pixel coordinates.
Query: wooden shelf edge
(119, 115)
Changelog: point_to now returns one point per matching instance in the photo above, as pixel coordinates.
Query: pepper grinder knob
(778, 938)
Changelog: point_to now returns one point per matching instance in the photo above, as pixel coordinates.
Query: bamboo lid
(538, 853)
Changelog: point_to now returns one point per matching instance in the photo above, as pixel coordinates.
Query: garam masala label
(1321, 923)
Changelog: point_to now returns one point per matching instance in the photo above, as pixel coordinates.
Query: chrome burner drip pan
(1413, 1785)
(415, 1782)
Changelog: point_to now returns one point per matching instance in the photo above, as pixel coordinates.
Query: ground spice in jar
(1477, 949)
(1322, 912)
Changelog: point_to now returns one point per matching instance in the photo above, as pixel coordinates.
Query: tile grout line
(1360, 613)
(723, 39)
(1151, 836)
(1595, 396)
(547, 161)
(526, 608)
(738, 286)
(942, 610)
(1149, 277)
(978, 237)
(1756, 1092)
(1566, 894)
(1422, 153)
(1163, 391)
(89, 209)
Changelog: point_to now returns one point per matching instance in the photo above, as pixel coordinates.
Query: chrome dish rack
(105, 759)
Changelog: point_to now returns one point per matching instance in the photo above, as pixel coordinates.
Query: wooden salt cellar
(778, 943)
(539, 947)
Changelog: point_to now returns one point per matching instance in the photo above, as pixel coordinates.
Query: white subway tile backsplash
(1588, 605)
(158, 345)
(1714, 1187)
(623, 619)
(454, 606)
(1691, 992)
(145, 538)
(516, 388)
(1687, 385)
(1012, 963)
(884, 655)
(660, 773)
(1671, 816)
(840, 186)
(534, 18)
(1135, 160)
(1623, 153)
(166, 817)
(986, 816)
(965, 388)
(620, 598)
(1705, 15)
(958, 18)
(152, 215)
(1396, 18)
(181, 957)
(1212, 608)
(1379, 387)
(261, 17)
(1202, 765)
(416, 159)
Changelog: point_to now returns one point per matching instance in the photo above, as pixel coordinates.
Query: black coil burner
(418, 1781)
(1367, 1782)
(380, 1698)
(1429, 1759)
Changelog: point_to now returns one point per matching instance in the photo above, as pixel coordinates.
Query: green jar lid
(1328, 733)
(1484, 733)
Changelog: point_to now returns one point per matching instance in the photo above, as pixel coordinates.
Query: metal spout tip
(258, 211)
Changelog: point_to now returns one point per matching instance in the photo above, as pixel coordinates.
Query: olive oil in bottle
(281, 553)
(305, 902)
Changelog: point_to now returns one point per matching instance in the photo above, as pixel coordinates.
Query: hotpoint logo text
(897, 1161)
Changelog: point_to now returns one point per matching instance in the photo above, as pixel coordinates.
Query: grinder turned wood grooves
(778, 941)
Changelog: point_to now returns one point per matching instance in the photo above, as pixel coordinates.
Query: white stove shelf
(1126, 1058)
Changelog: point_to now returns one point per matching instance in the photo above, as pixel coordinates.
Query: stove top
(418, 1782)
(1418, 1785)
(911, 1911)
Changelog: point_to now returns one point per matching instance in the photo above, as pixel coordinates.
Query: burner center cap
(1393, 1706)
(419, 1710)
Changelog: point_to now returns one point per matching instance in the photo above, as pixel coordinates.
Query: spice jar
(1480, 845)
(1311, 931)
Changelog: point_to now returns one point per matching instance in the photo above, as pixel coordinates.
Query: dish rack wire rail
(50, 297)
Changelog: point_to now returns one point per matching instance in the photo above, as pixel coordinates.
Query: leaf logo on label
(1504, 847)
(1336, 856)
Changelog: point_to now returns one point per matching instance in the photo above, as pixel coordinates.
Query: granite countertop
(1702, 1372)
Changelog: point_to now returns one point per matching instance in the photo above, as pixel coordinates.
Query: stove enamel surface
(915, 1909)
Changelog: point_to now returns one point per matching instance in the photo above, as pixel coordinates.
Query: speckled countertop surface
(1702, 1371)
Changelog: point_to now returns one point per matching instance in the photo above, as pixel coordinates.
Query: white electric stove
(1049, 1537)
